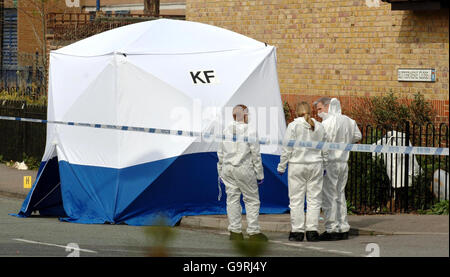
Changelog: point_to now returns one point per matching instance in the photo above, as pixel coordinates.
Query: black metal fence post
(19, 138)
(398, 182)
(446, 165)
(23, 132)
(406, 175)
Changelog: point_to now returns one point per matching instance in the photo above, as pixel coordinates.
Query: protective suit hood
(341, 129)
(334, 107)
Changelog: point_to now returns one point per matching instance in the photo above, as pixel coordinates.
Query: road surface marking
(300, 245)
(55, 245)
(339, 251)
(320, 249)
(314, 248)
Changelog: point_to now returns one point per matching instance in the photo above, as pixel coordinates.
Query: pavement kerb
(220, 224)
(13, 194)
(368, 232)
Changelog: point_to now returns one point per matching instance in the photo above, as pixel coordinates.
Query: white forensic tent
(167, 74)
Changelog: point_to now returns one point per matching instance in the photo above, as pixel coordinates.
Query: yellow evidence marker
(27, 182)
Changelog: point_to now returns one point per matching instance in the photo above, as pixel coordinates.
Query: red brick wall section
(341, 48)
(29, 23)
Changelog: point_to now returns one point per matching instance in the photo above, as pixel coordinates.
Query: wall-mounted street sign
(416, 75)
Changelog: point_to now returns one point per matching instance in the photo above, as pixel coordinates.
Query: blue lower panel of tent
(155, 193)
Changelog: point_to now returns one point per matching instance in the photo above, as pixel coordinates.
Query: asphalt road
(48, 237)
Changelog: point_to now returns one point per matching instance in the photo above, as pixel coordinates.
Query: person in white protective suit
(340, 129)
(396, 162)
(305, 174)
(240, 169)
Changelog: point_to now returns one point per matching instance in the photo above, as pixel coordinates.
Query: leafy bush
(351, 210)
(20, 96)
(440, 208)
(287, 112)
(389, 110)
(31, 162)
(421, 112)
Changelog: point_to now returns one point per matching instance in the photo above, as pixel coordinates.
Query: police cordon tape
(374, 148)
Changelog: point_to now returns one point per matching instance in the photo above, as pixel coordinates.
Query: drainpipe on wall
(98, 11)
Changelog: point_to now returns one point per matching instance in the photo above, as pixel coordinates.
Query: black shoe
(296, 236)
(236, 236)
(260, 237)
(343, 235)
(312, 236)
(325, 236)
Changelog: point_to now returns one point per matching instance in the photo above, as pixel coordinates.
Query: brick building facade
(31, 14)
(348, 49)
(167, 7)
(30, 25)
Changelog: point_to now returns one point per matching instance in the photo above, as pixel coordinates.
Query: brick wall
(341, 48)
(8, 4)
(167, 7)
(29, 23)
(109, 2)
(121, 2)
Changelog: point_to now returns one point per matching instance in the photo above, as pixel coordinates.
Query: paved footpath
(396, 224)
(11, 181)
(11, 184)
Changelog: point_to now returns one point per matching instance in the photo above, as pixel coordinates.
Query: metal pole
(446, 162)
(432, 165)
(413, 170)
(406, 166)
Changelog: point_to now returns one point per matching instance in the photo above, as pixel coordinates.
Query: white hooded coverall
(240, 167)
(341, 129)
(305, 174)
